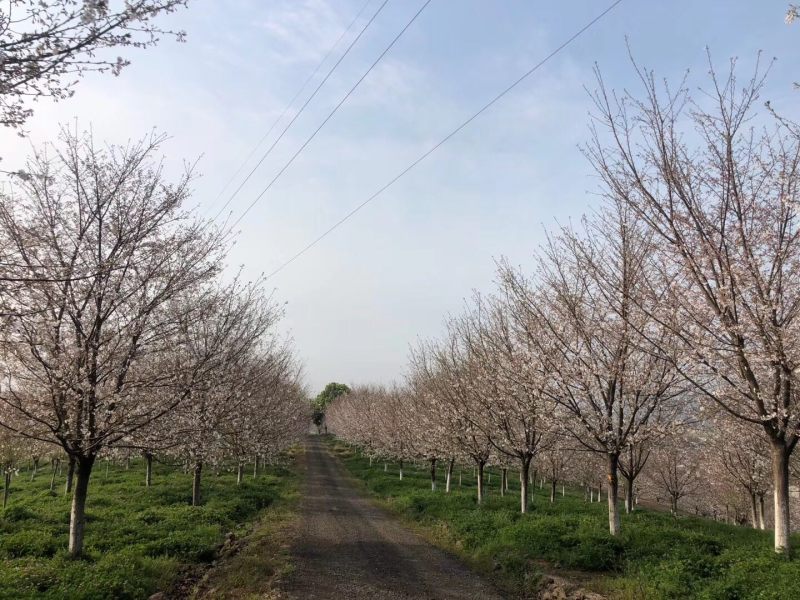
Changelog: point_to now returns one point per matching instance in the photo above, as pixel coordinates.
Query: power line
(333, 112)
(289, 105)
(444, 140)
(305, 104)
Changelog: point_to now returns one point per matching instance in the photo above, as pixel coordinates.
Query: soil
(349, 549)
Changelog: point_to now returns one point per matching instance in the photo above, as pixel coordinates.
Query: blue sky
(356, 301)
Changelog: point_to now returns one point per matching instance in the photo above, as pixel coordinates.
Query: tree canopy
(332, 391)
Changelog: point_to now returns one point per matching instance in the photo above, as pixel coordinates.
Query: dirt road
(350, 550)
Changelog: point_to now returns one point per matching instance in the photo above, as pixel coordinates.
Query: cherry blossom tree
(445, 371)
(720, 194)
(675, 468)
(744, 457)
(46, 46)
(632, 462)
(585, 319)
(99, 252)
(518, 416)
(231, 341)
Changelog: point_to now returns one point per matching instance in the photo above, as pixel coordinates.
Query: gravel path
(348, 549)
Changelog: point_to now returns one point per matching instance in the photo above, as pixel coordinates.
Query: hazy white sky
(357, 300)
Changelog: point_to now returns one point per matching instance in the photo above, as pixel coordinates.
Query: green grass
(657, 556)
(138, 540)
(262, 558)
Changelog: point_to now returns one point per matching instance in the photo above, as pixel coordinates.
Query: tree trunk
(481, 464)
(255, 466)
(77, 516)
(613, 487)
(70, 475)
(780, 484)
(553, 491)
(460, 475)
(401, 470)
(239, 471)
(449, 475)
(35, 468)
(148, 469)
(673, 506)
(628, 495)
(504, 482)
(524, 473)
(55, 462)
(433, 474)
(762, 522)
(753, 510)
(198, 470)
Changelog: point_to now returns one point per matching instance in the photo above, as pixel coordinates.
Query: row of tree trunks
(628, 495)
(525, 476)
(35, 467)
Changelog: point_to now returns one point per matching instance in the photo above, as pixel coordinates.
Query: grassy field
(656, 557)
(138, 540)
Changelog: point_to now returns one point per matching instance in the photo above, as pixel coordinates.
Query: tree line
(657, 335)
(120, 332)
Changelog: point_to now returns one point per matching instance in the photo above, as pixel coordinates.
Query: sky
(390, 275)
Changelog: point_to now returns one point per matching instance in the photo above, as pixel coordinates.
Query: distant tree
(675, 468)
(47, 45)
(332, 391)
